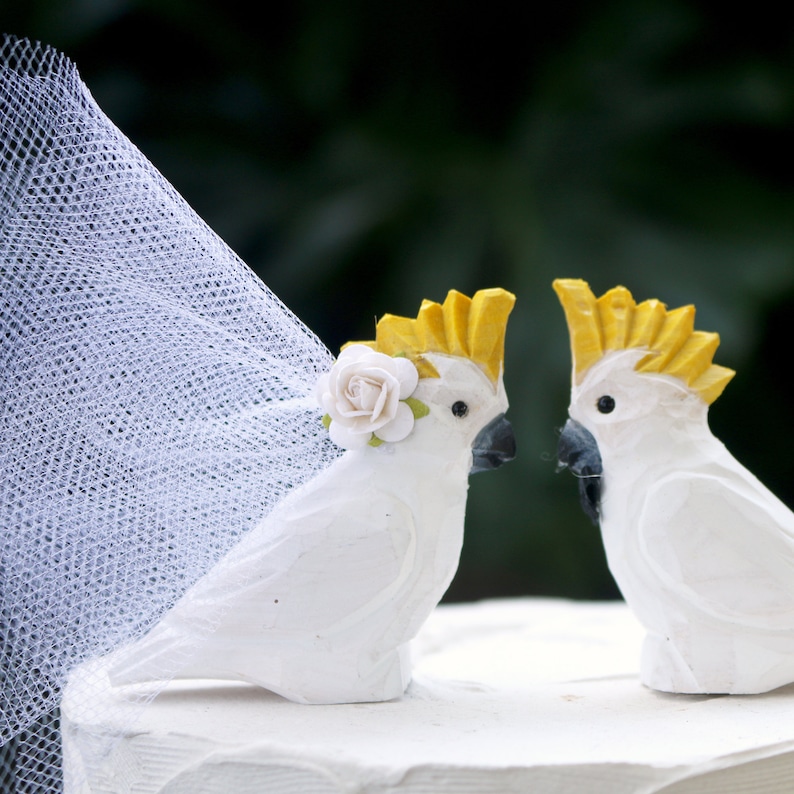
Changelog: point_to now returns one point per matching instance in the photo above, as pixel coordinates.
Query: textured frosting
(508, 696)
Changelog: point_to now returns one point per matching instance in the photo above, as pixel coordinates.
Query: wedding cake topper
(160, 417)
(700, 549)
(319, 601)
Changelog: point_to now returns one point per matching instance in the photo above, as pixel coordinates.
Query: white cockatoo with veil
(184, 464)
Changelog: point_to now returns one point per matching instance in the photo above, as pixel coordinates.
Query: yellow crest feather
(615, 322)
(471, 328)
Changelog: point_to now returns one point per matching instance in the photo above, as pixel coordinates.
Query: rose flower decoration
(366, 396)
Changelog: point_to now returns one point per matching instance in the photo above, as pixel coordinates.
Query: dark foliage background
(361, 155)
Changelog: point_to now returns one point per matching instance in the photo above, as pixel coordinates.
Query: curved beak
(577, 450)
(494, 445)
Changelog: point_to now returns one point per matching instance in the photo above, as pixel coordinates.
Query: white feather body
(319, 601)
(702, 551)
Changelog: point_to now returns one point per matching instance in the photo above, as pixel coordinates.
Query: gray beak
(495, 444)
(578, 451)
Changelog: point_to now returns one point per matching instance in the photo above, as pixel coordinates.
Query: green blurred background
(361, 155)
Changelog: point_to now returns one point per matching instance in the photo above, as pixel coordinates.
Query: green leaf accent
(418, 408)
(326, 421)
(401, 354)
(375, 441)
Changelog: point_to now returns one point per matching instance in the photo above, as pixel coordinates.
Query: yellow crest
(615, 322)
(472, 328)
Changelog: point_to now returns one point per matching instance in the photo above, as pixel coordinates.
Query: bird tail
(158, 656)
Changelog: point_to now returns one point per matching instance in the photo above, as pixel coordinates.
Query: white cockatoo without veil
(160, 405)
(702, 552)
(320, 600)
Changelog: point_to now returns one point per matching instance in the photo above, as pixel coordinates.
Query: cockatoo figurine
(161, 429)
(702, 552)
(320, 600)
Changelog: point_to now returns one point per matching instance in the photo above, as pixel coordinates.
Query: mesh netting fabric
(157, 398)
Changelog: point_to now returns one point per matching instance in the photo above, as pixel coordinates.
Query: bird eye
(606, 404)
(460, 409)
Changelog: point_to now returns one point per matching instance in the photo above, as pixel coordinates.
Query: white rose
(362, 395)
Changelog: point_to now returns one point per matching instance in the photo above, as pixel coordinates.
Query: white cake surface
(524, 695)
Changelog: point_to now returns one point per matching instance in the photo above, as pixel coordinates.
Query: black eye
(460, 409)
(606, 404)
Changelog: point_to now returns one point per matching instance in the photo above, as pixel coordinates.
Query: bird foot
(663, 668)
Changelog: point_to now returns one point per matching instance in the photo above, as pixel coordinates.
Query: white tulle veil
(156, 398)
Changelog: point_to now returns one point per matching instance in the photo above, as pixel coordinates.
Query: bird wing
(156, 395)
(331, 562)
(722, 544)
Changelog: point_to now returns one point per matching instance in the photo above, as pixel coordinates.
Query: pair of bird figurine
(701, 550)
(158, 397)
